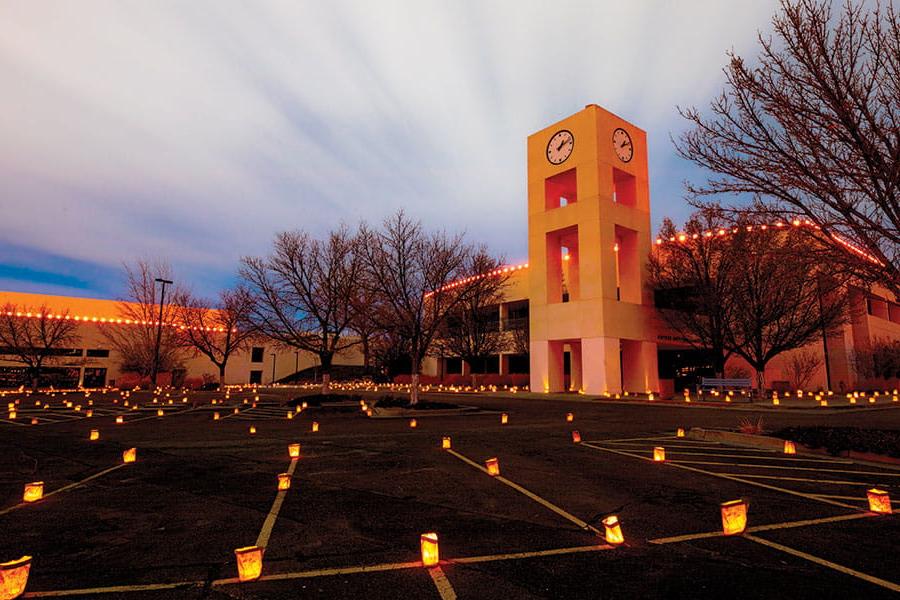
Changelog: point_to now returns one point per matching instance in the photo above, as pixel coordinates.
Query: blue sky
(193, 131)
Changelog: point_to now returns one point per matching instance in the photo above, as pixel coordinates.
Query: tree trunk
(325, 359)
(222, 377)
(414, 389)
(365, 349)
(761, 381)
(719, 365)
(35, 377)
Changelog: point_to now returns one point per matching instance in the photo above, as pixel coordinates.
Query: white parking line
(65, 488)
(817, 469)
(758, 457)
(682, 465)
(825, 563)
(773, 526)
(806, 480)
(266, 532)
(530, 494)
(442, 583)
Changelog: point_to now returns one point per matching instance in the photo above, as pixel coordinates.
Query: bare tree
(367, 324)
(417, 277)
(520, 336)
(135, 340)
(472, 332)
(215, 328)
(691, 275)
(880, 359)
(785, 298)
(32, 336)
(748, 289)
(302, 293)
(801, 366)
(811, 129)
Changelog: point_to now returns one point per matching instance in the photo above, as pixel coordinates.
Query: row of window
(884, 309)
(73, 352)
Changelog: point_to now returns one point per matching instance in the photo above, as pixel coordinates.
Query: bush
(129, 380)
(193, 383)
(406, 379)
(403, 402)
(836, 440)
(320, 399)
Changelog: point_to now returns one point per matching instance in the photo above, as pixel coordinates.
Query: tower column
(576, 382)
(547, 366)
(600, 357)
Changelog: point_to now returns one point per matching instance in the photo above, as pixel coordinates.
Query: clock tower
(588, 241)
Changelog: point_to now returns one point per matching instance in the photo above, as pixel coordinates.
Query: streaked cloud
(194, 130)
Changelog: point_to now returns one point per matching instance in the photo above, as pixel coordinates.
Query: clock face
(560, 146)
(622, 145)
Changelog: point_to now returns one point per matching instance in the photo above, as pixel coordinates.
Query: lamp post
(273, 368)
(162, 300)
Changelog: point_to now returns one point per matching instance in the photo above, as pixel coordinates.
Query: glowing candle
(294, 450)
(249, 562)
(734, 517)
(613, 530)
(14, 577)
(34, 491)
(430, 550)
(879, 501)
(659, 454)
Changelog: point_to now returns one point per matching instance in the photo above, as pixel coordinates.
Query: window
(562, 265)
(97, 353)
(560, 190)
(453, 366)
(256, 355)
(256, 376)
(627, 265)
(624, 191)
(518, 364)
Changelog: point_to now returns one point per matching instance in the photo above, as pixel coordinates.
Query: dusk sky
(192, 131)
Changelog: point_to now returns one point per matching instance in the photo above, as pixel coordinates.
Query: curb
(764, 442)
(734, 438)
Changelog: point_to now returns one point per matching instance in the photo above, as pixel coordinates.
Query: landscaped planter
(398, 412)
(766, 442)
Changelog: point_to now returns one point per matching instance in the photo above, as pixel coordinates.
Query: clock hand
(561, 144)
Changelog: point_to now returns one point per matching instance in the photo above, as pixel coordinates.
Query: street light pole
(273, 368)
(162, 300)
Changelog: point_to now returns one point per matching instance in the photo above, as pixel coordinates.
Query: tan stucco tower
(588, 242)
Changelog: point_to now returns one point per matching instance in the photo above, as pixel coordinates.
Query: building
(582, 298)
(593, 326)
(94, 363)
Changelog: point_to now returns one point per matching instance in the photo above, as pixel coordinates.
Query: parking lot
(364, 490)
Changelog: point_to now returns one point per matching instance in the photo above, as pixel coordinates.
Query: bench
(714, 383)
